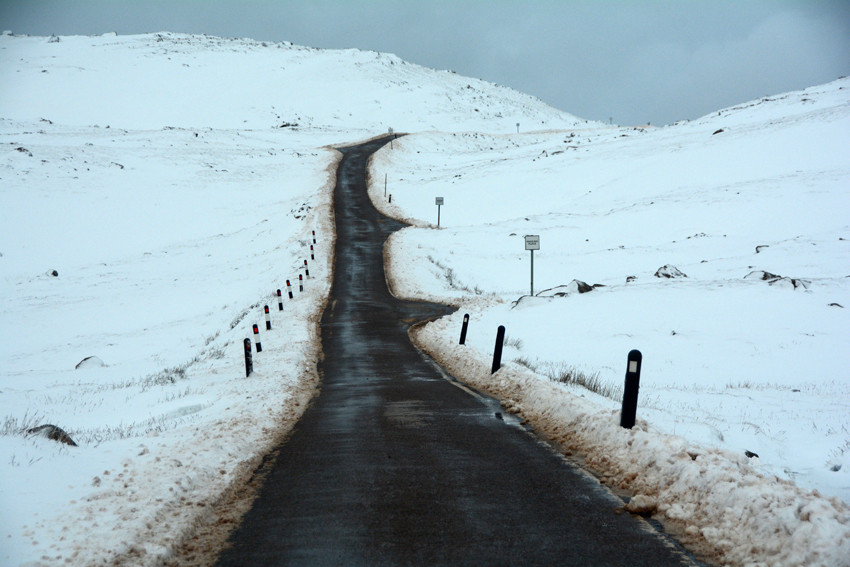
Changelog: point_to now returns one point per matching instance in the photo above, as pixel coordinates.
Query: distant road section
(394, 464)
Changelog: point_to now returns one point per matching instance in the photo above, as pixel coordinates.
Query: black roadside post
(268, 318)
(249, 362)
(463, 329)
(306, 269)
(312, 254)
(289, 289)
(279, 301)
(630, 395)
(300, 282)
(497, 354)
(314, 237)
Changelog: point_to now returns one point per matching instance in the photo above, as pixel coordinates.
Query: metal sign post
(532, 243)
(439, 204)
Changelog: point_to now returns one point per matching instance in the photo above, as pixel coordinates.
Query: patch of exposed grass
(527, 362)
(452, 280)
(14, 426)
(566, 374)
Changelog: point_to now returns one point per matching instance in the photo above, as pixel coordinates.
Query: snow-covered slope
(743, 354)
(173, 183)
(153, 81)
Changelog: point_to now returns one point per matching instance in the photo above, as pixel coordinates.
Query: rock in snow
(642, 505)
(575, 286)
(52, 432)
(668, 271)
(761, 275)
(90, 362)
(780, 281)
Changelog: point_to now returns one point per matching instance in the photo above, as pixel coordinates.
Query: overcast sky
(633, 61)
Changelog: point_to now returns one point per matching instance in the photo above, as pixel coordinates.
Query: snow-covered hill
(172, 183)
(189, 81)
(743, 353)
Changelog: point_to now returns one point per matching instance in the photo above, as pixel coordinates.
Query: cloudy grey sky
(633, 61)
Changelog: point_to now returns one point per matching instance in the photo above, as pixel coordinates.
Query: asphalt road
(394, 464)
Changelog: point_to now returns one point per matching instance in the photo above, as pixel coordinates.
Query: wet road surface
(393, 464)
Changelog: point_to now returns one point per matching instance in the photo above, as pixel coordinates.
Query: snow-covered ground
(173, 183)
(743, 433)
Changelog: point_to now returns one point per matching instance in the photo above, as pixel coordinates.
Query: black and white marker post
(532, 242)
(257, 338)
(300, 282)
(630, 395)
(306, 269)
(268, 318)
(314, 237)
(497, 353)
(463, 329)
(289, 289)
(312, 256)
(279, 301)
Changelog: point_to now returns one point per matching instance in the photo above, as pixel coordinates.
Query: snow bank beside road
(719, 504)
(172, 182)
(164, 264)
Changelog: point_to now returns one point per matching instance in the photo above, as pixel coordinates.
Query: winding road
(395, 463)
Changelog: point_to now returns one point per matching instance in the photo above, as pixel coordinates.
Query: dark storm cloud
(633, 61)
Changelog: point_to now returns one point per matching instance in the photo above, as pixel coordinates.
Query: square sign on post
(532, 242)
(439, 204)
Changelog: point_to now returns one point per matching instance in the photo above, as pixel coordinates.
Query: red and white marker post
(257, 338)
